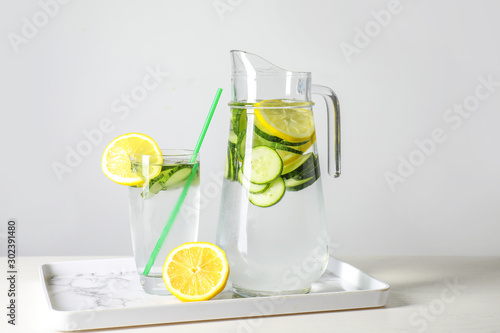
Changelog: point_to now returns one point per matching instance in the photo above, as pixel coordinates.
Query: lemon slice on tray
(116, 164)
(196, 271)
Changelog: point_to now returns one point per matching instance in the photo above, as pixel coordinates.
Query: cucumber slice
(153, 189)
(271, 196)
(239, 120)
(233, 138)
(155, 185)
(302, 164)
(171, 176)
(227, 168)
(309, 173)
(232, 163)
(251, 187)
(312, 170)
(276, 139)
(259, 141)
(264, 167)
(240, 146)
(304, 183)
(303, 180)
(177, 177)
(292, 182)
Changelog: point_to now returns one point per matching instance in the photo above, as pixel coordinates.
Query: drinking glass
(151, 205)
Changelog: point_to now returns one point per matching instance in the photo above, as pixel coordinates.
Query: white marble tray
(106, 293)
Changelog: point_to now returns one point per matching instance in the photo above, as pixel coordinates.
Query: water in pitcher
(272, 247)
(272, 222)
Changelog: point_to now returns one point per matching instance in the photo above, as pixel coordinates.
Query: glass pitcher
(272, 222)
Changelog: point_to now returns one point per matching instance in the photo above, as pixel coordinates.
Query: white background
(64, 79)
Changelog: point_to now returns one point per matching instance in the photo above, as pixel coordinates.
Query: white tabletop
(428, 294)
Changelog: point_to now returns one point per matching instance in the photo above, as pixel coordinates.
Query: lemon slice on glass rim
(196, 271)
(116, 164)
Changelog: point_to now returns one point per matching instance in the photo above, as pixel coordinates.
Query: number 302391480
(11, 245)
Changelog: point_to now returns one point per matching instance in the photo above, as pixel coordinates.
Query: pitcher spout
(255, 79)
(246, 63)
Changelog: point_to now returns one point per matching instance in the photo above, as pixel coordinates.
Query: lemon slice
(116, 164)
(196, 271)
(278, 119)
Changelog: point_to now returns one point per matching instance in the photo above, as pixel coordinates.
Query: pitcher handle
(333, 118)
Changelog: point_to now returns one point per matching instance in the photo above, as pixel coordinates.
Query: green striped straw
(178, 205)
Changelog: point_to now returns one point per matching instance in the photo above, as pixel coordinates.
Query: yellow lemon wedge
(277, 118)
(116, 164)
(196, 271)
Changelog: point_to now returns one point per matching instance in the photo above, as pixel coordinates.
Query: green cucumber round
(227, 171)
(315, 173)
(240, 146)
(304, 180)
(271, 196)
(259, 141)
(232, 163)
(303, 164)
(233, 138)
(276, 139)
(178, 176)
(265, 165)
(303, 184)
(239, 120)
(171, 176)
(251, 187)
